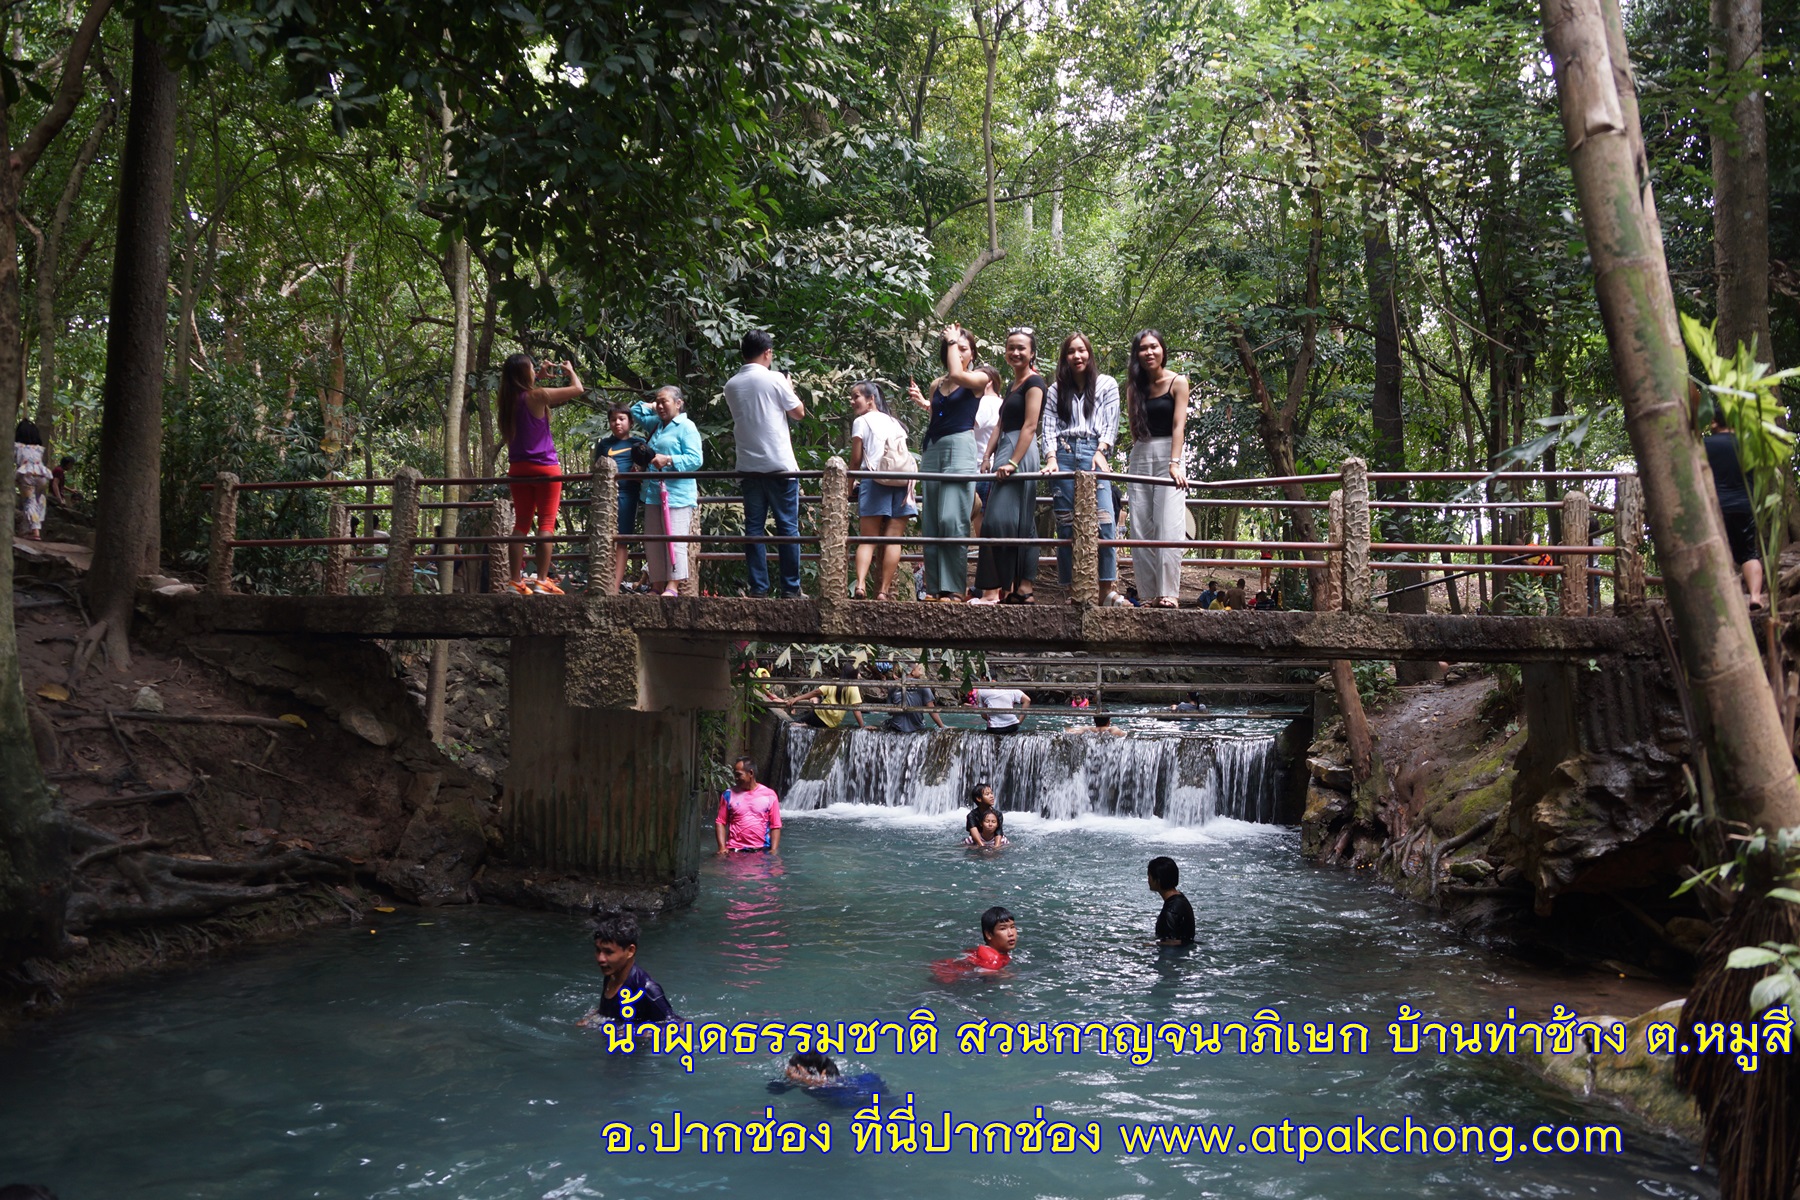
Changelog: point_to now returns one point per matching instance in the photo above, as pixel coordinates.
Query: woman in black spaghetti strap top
(1005, 573)
(949, 448)
(1156, 403)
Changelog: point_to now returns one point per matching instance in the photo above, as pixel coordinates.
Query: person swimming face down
(811, 1069)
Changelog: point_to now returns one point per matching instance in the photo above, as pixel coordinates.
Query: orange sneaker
(546, 587)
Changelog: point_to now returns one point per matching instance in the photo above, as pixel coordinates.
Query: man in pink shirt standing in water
(749, 813)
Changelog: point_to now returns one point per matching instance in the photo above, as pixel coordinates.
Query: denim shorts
(882, 500)
(628, 508)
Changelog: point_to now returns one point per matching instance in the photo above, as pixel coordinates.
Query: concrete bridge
(606, 687)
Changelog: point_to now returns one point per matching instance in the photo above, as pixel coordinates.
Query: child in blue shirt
(629, 452)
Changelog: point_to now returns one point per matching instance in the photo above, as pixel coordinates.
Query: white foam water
(1185, 780)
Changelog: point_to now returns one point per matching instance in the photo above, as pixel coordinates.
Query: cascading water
(1187, 779)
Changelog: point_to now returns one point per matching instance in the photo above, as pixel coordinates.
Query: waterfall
(1187, 780)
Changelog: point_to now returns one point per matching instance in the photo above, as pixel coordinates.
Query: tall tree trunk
(1389, 450)
(50, 259)
(1275, 424)
(453, 460)
(1755, 779)
(1740, 170)
(484, 357)
(33, 853)
(331, 396)
(128, 512)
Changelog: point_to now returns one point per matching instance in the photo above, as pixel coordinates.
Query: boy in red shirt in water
(999, 936)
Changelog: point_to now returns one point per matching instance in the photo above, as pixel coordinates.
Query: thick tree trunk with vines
(1754, 771)
(128, 513)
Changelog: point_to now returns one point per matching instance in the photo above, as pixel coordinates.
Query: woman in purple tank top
(524, 413)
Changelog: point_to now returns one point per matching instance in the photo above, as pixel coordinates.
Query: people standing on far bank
(949, 448)
(763, 404)
(1006, 573)
(749, 816)
(674, 442)
(1157, 402)
(524, 413)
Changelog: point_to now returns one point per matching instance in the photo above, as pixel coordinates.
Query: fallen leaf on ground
(294, 719)
(54, 691)
(384, 908)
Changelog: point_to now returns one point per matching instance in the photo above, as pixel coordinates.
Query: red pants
(535, 503)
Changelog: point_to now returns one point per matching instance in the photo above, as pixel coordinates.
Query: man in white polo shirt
(762, 402)
(1003, 705)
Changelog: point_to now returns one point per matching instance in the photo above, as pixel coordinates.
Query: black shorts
(1013, 728)
(1740, 531)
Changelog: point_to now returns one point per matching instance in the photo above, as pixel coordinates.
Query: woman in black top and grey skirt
(1005, 573)
(1157, 402)
(949, 448)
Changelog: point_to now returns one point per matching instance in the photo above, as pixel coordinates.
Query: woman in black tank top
(1005, 573)
(949, 448)
(1157, 401)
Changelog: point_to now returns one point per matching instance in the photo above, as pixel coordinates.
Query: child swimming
(628, 996)
(816, 1075)
(999, 937)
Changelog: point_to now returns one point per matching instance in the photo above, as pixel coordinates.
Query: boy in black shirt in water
(629, 996)
(1175, 923)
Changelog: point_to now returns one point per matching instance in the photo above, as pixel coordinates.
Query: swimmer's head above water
(615, 944)
(999, 930)
(811, 1069)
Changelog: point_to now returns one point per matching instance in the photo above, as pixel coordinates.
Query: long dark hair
(967, 339)
(1139, 386)
(1069, 384)
(518, 374)
(872, 390)
(26, 434)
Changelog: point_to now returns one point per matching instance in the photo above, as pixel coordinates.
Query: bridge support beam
(603, 795)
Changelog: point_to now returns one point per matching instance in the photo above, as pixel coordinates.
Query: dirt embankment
(1534, 808)
(226, 789)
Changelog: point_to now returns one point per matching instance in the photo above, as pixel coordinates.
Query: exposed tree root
(169, 887)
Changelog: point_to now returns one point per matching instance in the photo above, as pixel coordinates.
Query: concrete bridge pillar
(603, 794)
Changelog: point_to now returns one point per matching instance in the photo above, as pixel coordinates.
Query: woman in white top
(1081, 427)
(876, 437)
(1156, 403)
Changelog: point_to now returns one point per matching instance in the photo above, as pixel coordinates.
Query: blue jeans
(764, 494)
(1077, 454)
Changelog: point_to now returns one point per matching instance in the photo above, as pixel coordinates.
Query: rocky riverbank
(1532, 808)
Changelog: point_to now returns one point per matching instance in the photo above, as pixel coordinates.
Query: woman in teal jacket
(669, 507)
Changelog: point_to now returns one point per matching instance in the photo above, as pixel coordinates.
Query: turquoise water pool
(437, 1056)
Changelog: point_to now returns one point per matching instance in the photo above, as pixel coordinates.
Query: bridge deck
(1037, 629)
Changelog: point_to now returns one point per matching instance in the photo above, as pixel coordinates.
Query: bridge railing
(1341, 562)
